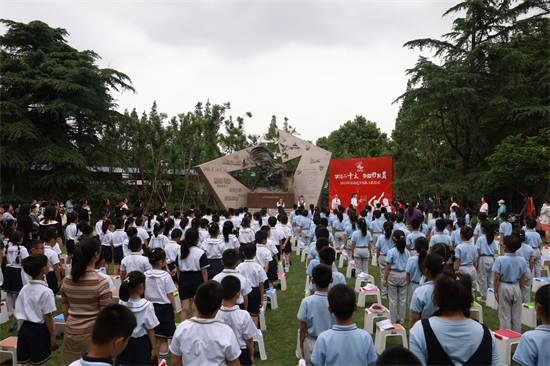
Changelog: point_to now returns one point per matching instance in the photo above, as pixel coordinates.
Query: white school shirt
(195, 261)
(145, 315)
(159, 241)
(274, 239)
(255, 226)
(265, 220)
(106, 238)
(34, 301)
(209, 218)
(148, 227)
(118, 237)
(172, 249)
(205, 342)
(240, 321)
(246, 235)
(236, 222)
(57, 249)
(158, 284)
(12, 255)
(284, 232)
(142, 234)
(233, 242)
(177, 224)
(336, 201)
(71, 232)
(98, 226)
(245, 285)
(135, 262)
(354, 202)
(52, 256)
(91, 361)
(263, 255)
(203, 235)
(213, 248)
(254, 273)
(111, 283)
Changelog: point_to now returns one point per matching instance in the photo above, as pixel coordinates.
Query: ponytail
(227, 229)
(105, 225)
(159, 226)
(398, 238)
(433, 262)
(340, 216)
(443, 250)
(353, 220)
(132, 280)
(452, 293)
(168, 226)
(520, 234)
(312, 209)
(388, 229)
(129, 220)
(83, 254)
(149, 218)
(363, 226)
(190, 240)
(246, 222)
(156, 255)
(213, 229)
(489, 231)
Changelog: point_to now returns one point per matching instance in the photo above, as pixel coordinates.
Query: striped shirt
(85, 299)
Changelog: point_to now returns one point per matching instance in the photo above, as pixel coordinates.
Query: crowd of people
(222, 263)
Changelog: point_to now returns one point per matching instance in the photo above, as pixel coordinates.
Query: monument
(307, 180)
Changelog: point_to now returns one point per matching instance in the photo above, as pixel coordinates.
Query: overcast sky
(319, 63)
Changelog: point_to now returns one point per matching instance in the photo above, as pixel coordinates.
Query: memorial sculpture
(307, 180)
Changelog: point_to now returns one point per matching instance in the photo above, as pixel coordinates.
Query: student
(71, 232)
(527, 253)
(481, 217)
(383, 245)
(141, 232)
(504, 230)
(422, 305)
(397, 356)
(285, 232)
(14, 253)
(239, 320)
(158, 239)
(141, 348)
(313, 250)
(485, 257)
(305, 225)
(53, 278)
(34, 307)
(213, 247)
(274, 239)
(376, 226)
(411, 238)
(118, 238)
(455, 235)
(450, 336)
(466, 256)
(111, 334)
(256, 276)
(533, 239)
(395, 277)
(313, 314)
(431, 224)
(246, 235)
(350, 229)
(204, 329)
(440, 236)
(106, 239)
(159, 289)
(327, 255)
(414, 274)
(230, 241)
(344, 344)
(361, 246)
(256, 223)
(272, 266)
(135, 261)
(338, 226)
(510, 271)
(172, 250)
(230, 260)
(102, 215)
(533, 346)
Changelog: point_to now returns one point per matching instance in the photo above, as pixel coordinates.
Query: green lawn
(282, 325)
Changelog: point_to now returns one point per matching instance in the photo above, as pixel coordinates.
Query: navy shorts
(70, 246)
(33, 344)
(244, 358)
(118, 255)
(165, 315)
(52, 282)
(254, 301)
(107, 253)
(137, 352)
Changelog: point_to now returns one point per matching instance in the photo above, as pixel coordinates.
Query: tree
(55, 105)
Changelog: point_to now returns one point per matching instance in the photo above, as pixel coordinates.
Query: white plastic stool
(280, 267)
(66, 269)
(545, 251)
(476, 312)
(538, 282)
(374, 259)
(4, 316)
(282, 280)
(299, 248)
(261, 346)
(491, 302)
(261, 319)
(364, 293)
(298, 348)
(360, 280)
(382, 334)
(544, 272)
(59, 324)
(4, 294)
(545, 260)
(308, 282)
(177, 301)
(116, 280)
(350, 269)
(272, 296)
(507, 342)
(343, 256)
(63, 258)
(370, 315)
(304, 254)
(9, 347)
(528, 315)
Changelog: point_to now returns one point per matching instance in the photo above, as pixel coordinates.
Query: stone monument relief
(277, 180)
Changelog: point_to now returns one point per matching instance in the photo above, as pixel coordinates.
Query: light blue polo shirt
(466, 252)
(526, 251)
(505, 229)
(477, 230)
(510, 267)
(431, 225)
(413, 269)
(344, 345)
(305, 223)
(338, 225)
(532, 238)
(297, 220)
(337, 278)
(348, 231)
(398, 260)
(369, 217)
(313, 263)
(360, 240)
(440, 238)
(377, 226)
(424, 228)
(455, 237)
(384, 244)
(411, 238)
(533, 347)
(314, 312)
(467, 219)
(484, 247)
(421, 302)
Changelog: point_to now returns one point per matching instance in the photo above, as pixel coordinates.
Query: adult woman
(35, 221)
(454, 202)
(354, 201)
(545, 219)
(501, 208)
(106, 206)
(24, 223)
(430, 206)
(484, 205)
(83, 294)
(49, 221)
(83, 212)
(336, 202)
(450, 336)
(412, 212)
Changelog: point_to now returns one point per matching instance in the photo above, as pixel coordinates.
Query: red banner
(370, 178)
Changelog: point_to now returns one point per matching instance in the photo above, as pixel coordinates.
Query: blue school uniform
(440, 238)
(369, 217)
(467, 219)
(413, 269)
(477, 230)
(349, 231)
(431, 225)
(532, 238)
(344, 345)
(377, 226)
(466, 252)
(384, 244)
(484, 247)
(313, 311)
(505, 229)
(510, 267)
(422, 300)
(360, 240)
(305, 223)
(526, 252)
(533, 347)
(338, 225)
(313, 263)
(424, 229)
(297, 220)
(455, 237)
(398, 260)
